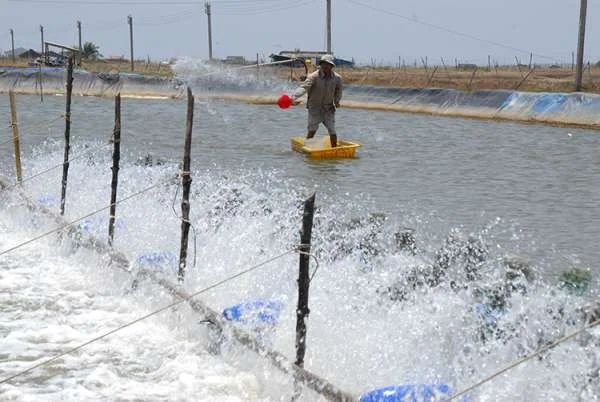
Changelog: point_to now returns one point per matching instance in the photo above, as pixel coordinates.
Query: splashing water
(401, 296)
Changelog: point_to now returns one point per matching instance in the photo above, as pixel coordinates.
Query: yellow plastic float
(320, 147)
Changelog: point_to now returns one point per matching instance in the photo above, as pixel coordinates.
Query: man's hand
(337, 104)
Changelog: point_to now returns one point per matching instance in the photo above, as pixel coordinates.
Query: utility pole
(80, 49)
(43, 53)
(207, 10)
(12, 44)
(329, 26)
(579, 71)
(130, 22)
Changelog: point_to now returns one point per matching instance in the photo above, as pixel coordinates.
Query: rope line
(153, 313)
(80, 218)
(35, 126)
(43, 124)
(58, 165)
(526, 358)
(6, 142)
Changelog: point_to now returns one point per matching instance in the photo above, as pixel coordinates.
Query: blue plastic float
(258, 313)
(410, 393)
(156, 259)
(97, 224)
(47, 200)
(260, 316)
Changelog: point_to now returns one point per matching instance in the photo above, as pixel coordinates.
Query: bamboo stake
(431, 77)
(115, 169)
(67, 135)
(524, 79)
(304, 280)
(518, 64)
(446, 68)
(186, 181)
(15, 129)
(471, 80)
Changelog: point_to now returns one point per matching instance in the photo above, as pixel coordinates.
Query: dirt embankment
(523, 78)
(536, 79)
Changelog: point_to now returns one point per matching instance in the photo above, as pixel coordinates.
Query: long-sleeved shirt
(323, 91)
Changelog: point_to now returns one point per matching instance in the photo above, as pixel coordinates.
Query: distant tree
(90, 51)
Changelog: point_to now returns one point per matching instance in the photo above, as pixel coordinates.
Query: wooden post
(41, 85)
(67, 134)
(431, 77)
(425, 65)
(257, 68)
(471, 80)
(580, 45)
(446, 68)
(304, 280)
(524, 79)
(15, 129)
(186, 181)
(115, 169)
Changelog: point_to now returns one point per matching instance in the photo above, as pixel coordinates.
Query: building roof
(18, 51)
(31, 54)
(302, 53)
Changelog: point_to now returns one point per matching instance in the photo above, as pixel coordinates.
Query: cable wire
(81, 218)
(57, 166)
(523, 360)
(452, 31)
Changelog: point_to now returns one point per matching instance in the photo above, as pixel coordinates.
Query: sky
(381, 32)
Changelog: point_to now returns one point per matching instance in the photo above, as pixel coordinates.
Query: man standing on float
(324, 88)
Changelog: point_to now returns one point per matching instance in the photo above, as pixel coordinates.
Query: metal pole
(43, 53)
(130, 22)
(580, 42)
(80, 48)
(208, 13)
(12, 44)
(329, 26)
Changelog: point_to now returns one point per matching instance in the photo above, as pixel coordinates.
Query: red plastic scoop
(284, 101)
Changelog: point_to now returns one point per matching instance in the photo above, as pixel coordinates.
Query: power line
(260, 9)
(169, 18)
(449, 30)
(143, 2)
(105, 2)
